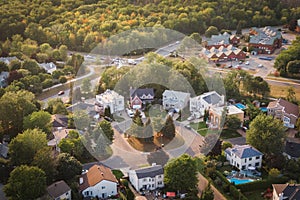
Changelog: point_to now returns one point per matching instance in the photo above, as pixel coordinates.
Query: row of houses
(223, 53)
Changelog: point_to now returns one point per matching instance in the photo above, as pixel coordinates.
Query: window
(159, 176)
(249, 165)
(153, 179)
(67, 193)
(250, 159)
(103, 187)
(257, 164)
(153, 185)
(159, 182)
(245, 159)
(243, 167)
(144, 179)
(257, 157)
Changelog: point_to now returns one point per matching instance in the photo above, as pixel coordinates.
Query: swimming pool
(237, 181)
(240, 106)
(264, 109)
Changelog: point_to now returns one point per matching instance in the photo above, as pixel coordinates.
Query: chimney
(80, 180)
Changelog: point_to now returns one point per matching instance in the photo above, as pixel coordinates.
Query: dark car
(108, 119)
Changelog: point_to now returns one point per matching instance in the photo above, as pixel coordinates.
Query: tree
(212, 145)
(38, 119)
(212, 30)
(197, 37)
(266, 134)
(3, 67)
(106, 128)
(169, 128)
(67, 166)
(24, 146)
(56, 106)
(180, 171)
(252, 111)
(239, 28)
(273, 173)
(232, 122)
(26, 182)
(208, 193)
(291, 95)
(32, 66)
(44, 160)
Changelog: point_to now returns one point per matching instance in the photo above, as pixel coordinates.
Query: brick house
(140, 97)
(265, 40)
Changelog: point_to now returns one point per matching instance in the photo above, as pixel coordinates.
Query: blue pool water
(239, 181)
(264, 109)
(240, 106)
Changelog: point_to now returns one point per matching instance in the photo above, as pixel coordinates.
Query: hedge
(262, 184)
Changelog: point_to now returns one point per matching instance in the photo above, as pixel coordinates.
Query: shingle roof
(290, 191)
(57, 189)
(289, 107)
(244, 151)
(151, 171)
(3, 150)
(59, 120)
(95, 175)
(212, 98)
(141, 91)
(292, 149)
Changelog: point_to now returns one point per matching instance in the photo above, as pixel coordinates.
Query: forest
(82, 24)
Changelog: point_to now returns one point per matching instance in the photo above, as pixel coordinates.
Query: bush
(62, 79)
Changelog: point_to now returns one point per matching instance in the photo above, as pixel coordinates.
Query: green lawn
(200, 128)
(118, 118)
(227, 134)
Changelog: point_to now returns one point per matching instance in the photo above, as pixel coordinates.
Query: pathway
(202, 184)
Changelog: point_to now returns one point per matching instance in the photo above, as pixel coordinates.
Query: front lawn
(200, 127)
(227, 134)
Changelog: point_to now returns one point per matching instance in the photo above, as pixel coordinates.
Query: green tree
(291, 95)
(44, 160)
(197, 37)
(169, 128)
(208, 193)
(24, 146)
(3, 67)
(232, 122)
(26, 182)
(180, 171)
(273, 173)
(252, 111)
(106, 128)
(67, 167)
(212, 30)
(266, 134)
(31, 66)
(38, 119)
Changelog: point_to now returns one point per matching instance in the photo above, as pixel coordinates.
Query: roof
(58, 136)
(231, 110)
(95, 175)
(108, 96)
(221, 39)
(292, 149)
(266, 35)
(57, 189)
(176, 94)
(212, 97)
(49, 67)
(151, 171)
(3, 150)
(290, 191)
(59, 120)
(142, 92)
(7, 60)
(289, 107)
(244, 151)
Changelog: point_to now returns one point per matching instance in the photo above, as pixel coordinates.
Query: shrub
(62, 79)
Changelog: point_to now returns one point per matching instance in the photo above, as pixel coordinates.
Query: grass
(227, 134)
(281, 91)
(200, 128)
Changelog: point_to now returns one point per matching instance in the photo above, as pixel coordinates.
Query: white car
(130, 113)
(260, 66)
(247, 63)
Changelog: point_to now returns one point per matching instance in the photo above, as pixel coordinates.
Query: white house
(147, 178)
(99, 181)
(284, 110)
(244, 157)
(205, 101)
(110, 99)
(175, 99)
(59, 190)
(49, 67)
(286, 191)
(7, 60)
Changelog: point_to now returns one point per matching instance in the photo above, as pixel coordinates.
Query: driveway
(238, 141)
(2, 195)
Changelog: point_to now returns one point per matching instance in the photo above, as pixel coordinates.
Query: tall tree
(169, 128)
(180, 171)
(232, 122)
(38, 119)
(106, 128)
(26, 182)
(208, 193)
(291, 95)
(67, 166)
(266, 134)
(23, 148)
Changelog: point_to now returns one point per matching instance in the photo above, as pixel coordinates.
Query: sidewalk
(202, 184)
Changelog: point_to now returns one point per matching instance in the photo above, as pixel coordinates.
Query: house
(175, 99)
(216, 114)
(58, 136)
(286, 191)
(264, 40)
(284, 110)
(223, 53)
(140, 97)
(244, 156)
(3, 150)
(110, 99)
(59, 190)
(7, 60)
(291, 150)
(203, 102)
(222, 40)
(59, 121)
(98, 181)
(48, 67)
(3, 78)
(147, 178)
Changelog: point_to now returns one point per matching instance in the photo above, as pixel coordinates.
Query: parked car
(129, 113)
(260, 66)
(108, 119)
(61, 93)
(247, 63)
(187, 126)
